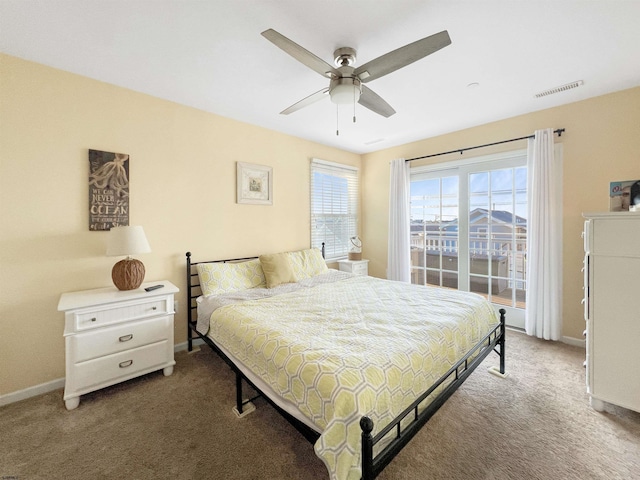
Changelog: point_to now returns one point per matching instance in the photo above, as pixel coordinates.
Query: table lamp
(127, 274)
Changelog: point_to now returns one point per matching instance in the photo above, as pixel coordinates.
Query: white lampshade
(129, 240)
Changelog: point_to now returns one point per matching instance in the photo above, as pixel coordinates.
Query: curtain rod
(461, 150)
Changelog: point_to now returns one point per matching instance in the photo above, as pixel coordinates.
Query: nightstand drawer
(85, 319)
(360, 269)
(113, 367)
(105, 341)
(357, 267)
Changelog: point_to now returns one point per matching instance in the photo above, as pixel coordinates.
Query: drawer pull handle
(154, 308)
(126, 364)
(94, 319)
(126, 338)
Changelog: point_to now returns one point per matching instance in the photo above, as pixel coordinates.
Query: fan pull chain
(354, 105)
(337, 121)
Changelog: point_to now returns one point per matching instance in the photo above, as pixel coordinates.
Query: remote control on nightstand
(154, 287)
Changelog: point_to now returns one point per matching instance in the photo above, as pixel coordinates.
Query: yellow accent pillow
(307, 263)
(277, 269)
(219, 278)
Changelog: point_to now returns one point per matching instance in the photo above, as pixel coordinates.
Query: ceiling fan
(346, 84)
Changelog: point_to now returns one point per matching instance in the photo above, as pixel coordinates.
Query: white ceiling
(210, 55)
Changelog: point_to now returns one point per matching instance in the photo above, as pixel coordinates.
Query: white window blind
(334, 207)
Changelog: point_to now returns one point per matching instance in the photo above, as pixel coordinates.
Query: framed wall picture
(624, 195)
(108, 190)
(255, 184)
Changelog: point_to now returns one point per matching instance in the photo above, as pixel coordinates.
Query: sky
(436, 199)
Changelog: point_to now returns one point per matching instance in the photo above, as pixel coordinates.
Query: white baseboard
(32, 392)
(59, 383)
(576, 342)
(185, 345)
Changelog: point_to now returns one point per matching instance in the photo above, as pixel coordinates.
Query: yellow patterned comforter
(357, 346)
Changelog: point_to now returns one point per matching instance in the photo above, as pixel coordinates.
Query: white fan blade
(402, 57)
(299, 53)
(375, 103)
(313, 98)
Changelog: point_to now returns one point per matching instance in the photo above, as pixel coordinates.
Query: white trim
(57, 384)
(185, 345)
(576, 342)
(333, 164)
(32, 392)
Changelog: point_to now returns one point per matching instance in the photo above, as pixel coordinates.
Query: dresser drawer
(105, 341)
(112, 368)
(91, 318)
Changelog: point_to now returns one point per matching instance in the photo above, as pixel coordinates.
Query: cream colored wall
(601, 144)
(183, 192)
(182, 186)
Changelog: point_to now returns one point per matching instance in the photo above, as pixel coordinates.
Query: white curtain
(544, 238)
(399, 255)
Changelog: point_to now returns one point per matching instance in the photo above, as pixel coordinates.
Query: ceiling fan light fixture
(346, 85)
(345, 91)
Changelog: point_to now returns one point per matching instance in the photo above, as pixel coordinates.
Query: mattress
(336, 347)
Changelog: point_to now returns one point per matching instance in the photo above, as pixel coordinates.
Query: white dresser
(359, 267)
(612, 308)
(112, 336)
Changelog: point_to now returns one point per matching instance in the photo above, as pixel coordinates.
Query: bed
(357, 364)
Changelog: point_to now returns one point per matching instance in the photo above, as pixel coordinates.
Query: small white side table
(359, 267)
(112, 336)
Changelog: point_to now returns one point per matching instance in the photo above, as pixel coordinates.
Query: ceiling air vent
(562, 88)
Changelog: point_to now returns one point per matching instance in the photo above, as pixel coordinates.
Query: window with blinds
(334, 207)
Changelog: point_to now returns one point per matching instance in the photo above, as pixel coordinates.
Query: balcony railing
(482, 247)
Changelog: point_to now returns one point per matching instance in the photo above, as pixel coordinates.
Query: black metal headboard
(194, 290)
(193, 283)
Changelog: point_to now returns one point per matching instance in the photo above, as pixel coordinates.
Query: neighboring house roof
(419, 226)
(477, 215)
(480, 215)
(499, 215)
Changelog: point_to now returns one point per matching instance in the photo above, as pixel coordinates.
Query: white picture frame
(254, 184)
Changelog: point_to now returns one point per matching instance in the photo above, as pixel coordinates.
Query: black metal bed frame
(406, 425)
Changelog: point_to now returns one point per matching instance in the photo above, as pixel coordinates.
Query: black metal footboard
(372, 466)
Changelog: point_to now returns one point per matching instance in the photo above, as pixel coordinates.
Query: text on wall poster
(108, 190)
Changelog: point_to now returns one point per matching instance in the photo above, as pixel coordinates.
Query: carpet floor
(534, 424)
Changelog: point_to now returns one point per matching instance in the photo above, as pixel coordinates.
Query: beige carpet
(535, 424)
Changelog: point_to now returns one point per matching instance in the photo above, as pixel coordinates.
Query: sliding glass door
(469, 229)
(434, 247)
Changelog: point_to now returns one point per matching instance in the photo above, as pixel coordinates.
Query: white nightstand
(359, 267)
(112, 336)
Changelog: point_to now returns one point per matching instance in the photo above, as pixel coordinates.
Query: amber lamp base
(128, 274)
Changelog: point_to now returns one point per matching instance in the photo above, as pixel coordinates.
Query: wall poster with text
(108, 190)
